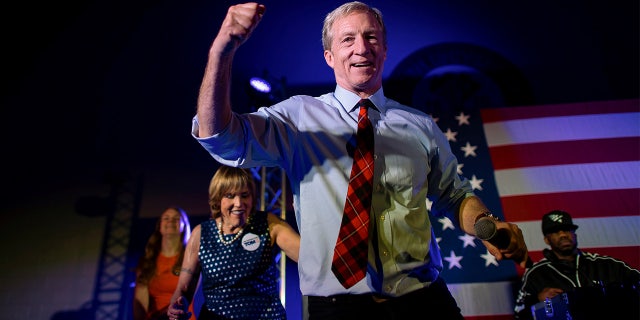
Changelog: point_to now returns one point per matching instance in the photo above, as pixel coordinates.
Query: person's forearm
(140, 301)
(139, 311)
(187, 283)
(470, 210)
(214, 102)
(214, 99)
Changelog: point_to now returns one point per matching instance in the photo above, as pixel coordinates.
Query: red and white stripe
(583, 158)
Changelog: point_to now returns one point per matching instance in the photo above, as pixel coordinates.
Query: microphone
(486, 230)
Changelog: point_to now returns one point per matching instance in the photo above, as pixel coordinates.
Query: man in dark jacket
(577, 284)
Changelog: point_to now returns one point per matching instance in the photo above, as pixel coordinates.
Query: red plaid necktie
(350, 254)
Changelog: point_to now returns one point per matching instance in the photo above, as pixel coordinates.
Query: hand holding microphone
(486, 229)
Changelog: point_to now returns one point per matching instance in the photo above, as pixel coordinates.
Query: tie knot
(365, 103)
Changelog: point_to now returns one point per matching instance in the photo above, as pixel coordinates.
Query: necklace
(221, 235)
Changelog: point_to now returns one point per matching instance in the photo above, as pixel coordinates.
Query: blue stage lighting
(261, 85)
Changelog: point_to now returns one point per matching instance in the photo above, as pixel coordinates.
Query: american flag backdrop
(583, 158)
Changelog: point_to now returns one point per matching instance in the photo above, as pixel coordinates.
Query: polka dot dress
(240, 279)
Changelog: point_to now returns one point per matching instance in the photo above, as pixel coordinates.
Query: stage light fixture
(265, 90)
(260, 85)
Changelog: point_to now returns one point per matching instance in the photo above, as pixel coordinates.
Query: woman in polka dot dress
(235, 251)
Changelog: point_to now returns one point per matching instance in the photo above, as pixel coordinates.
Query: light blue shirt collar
(349, 99)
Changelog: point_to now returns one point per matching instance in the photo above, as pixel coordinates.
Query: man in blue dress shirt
(308, 137)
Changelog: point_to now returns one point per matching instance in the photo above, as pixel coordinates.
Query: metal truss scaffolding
(273, 199)
(110, 283)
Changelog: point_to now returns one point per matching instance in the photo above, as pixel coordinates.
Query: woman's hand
(179, 309)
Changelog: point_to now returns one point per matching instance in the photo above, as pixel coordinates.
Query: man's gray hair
(344, 10)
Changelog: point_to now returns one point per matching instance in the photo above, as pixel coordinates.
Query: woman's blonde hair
(229, 179)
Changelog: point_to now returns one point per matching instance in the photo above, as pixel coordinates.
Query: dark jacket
(590, 277)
